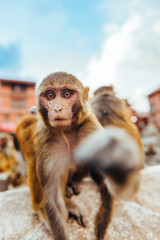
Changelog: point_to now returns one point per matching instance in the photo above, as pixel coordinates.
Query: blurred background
(101, 42)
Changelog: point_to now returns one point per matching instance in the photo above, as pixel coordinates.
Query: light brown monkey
(111, 111)
(63, 122)
(66, 122)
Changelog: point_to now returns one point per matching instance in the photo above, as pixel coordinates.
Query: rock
(134, 220)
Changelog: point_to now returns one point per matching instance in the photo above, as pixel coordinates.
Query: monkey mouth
(59, 119)
(60, 122)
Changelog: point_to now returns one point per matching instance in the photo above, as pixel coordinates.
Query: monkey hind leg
(104, 214)
(37, 197)
(35, 191)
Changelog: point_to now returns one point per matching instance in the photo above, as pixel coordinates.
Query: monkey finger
(70, 219)
(76, 189)
(82, 221)
(69, 192)
(78, 216)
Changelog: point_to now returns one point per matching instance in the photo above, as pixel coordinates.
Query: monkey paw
(73, 190)
(115, 153)
(78, 215)
(69, 192)
(76, 189)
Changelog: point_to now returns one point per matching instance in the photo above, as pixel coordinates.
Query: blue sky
(100, 41)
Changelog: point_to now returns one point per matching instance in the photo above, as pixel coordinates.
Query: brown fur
(25, 133)
(111, 111)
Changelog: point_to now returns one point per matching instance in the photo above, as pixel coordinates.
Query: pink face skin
(59, 103)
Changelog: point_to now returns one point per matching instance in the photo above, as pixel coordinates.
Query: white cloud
(129, 58)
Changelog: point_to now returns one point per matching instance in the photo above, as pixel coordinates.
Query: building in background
(154, 101)
(16, 99)
(141, 119)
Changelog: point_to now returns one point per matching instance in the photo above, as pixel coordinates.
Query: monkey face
(59, 103)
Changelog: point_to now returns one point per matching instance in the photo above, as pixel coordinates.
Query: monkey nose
(58, 107)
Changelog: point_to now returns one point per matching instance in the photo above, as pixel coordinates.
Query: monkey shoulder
(26, 121)
(26, 129)
(90, 125)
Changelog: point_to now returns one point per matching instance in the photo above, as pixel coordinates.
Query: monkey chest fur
(59, 160)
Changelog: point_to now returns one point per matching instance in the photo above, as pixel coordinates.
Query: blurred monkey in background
(10, 160)
(7, 152)
(111, 111)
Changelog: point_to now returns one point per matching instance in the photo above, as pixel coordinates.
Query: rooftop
(154, 92)
(9, 81)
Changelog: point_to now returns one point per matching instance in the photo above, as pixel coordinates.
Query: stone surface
(134, 220)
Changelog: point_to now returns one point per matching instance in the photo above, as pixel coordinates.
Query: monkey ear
(86, 93)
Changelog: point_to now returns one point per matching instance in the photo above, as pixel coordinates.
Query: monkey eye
(50, 95)
(67, 93)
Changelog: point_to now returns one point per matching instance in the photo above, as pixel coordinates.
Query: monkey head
(62, 100)
(107, 107)
(104, 90)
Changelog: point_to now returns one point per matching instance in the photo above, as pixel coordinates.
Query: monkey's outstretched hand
(117, 155)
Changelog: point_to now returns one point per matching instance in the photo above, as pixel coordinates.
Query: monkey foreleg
(74, 180)
(72, 187)
(58, 226)
(104, 214)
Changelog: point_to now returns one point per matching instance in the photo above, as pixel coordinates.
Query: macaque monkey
(111, 111)
(62, 122)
